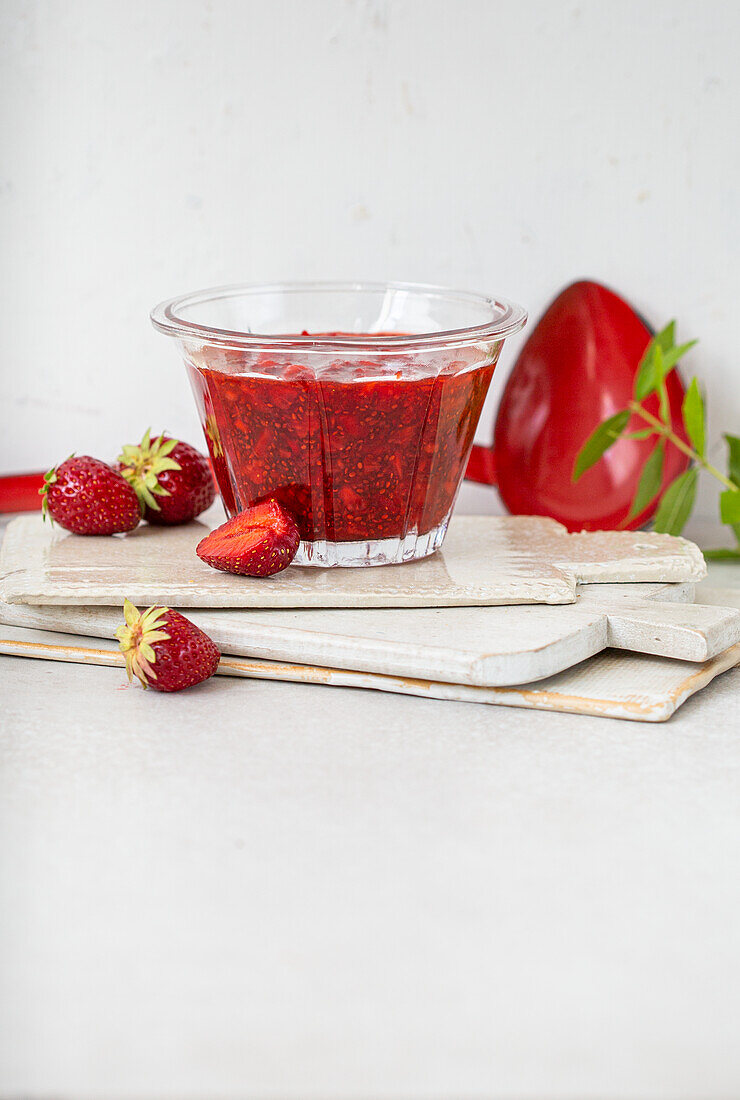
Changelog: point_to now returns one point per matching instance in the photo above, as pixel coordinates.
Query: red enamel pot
(576, 369)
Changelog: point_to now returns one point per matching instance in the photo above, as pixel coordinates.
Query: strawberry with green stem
(172, 480)
(88, 497)
(164, 650)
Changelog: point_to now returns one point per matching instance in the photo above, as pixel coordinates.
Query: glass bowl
(353, 404)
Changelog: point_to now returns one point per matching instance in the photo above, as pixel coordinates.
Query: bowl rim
(508, 318)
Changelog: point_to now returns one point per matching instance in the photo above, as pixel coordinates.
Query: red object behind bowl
(576, 369)
(20, 492)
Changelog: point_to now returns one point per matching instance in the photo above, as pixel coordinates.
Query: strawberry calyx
(142, 463)
(50, 477)
(136, 639)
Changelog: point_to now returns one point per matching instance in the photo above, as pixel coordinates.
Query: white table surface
(271, 890)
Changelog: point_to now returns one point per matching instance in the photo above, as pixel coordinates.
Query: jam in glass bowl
(354, 405)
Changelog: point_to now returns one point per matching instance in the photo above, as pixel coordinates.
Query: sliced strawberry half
(258, 542)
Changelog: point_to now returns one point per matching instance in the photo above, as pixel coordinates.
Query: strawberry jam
(357, 450)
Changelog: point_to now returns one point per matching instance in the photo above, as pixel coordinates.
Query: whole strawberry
(172, 480)
(257, 542)
(88, 497)
(164, 649)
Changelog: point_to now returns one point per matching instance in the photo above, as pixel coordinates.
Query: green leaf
(660, 371)
(672, 355)
(666, 338)
(694, 417)
(600, 441)
(654, 367)
(733, 463)
(729, 506)
(676, 503)
(721, 555)
(648, 486)
(644, 433)
(645, 379)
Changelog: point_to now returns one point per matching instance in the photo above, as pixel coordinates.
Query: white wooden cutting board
(482, 646)
(610, 685)
(485, 560)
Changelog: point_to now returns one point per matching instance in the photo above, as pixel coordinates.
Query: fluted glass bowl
(354, 405)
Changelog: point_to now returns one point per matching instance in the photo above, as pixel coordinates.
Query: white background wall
(149, 148)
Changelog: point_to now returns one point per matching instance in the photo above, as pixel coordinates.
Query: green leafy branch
(676, 503)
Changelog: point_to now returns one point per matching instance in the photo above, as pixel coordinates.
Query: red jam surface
(358, 449)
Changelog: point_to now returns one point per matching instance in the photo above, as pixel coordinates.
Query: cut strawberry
(164, 650)
(256, 543)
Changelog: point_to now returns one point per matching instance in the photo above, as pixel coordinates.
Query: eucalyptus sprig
(675, 505)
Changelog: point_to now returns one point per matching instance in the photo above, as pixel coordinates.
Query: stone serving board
(486, 560)
(477, 646)
(610, 685)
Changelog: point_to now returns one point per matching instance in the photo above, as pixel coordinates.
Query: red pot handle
(481, 465)
(20, 492)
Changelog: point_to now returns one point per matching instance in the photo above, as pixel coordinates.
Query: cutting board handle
(690, 632)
